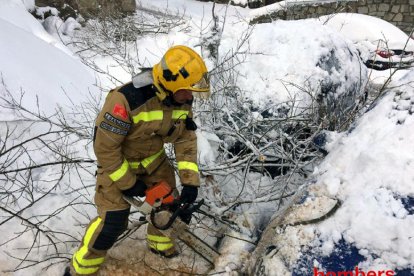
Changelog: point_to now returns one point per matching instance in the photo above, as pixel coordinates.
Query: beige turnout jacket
(130, 133)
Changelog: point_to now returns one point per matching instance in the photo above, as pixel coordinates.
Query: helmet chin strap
(161, 93)
(165, 96)
(170, 101)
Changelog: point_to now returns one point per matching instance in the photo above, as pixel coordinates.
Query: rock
(90, 8)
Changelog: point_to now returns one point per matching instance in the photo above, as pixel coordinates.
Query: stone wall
(398, 12)
(89, 8)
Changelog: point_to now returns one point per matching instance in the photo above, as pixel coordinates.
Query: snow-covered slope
(34, 63)
(44, 77)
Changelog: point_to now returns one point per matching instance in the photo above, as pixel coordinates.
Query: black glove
(188, 194)
(186, 217)
(138, 189)
(190, 124)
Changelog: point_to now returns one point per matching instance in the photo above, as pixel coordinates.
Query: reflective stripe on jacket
(131, 130)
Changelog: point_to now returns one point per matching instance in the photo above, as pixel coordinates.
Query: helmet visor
(202, 87)
(203, 84)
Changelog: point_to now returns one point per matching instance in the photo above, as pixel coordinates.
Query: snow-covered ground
(37, 64)
(48, 81)
(369, 168)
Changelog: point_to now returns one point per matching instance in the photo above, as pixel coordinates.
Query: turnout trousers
(112, 220)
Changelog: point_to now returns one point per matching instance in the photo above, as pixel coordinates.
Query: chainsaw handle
(170, 221)
(194, 207)
(183, 208)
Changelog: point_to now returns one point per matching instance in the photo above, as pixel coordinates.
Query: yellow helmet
(180, 68)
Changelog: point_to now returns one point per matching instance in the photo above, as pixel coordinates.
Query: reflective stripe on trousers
(186, 165)
(159, 243)
(82, 265)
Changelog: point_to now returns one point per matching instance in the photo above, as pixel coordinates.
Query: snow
(372, 168)
(283, 5)
(284, 61)
(48, 78)
(42, 67)
(376, 34)
(375, 30)
(369, 168)
(10, 10)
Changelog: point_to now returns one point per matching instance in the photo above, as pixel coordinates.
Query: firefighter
(131, 129)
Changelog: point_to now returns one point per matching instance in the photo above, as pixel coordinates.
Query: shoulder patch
(137, 96)
(116, 121)
(120, 111)
(113, 129)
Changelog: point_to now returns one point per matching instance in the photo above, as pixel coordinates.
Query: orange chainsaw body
(160, 193)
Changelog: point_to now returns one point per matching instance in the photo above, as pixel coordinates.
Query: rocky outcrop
(89, 8)
(398, 12)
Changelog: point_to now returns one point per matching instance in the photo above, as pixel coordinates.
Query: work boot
(67, 271)
(170, 253)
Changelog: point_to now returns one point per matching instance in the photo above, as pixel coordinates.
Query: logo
(355, 272)
(120, 111)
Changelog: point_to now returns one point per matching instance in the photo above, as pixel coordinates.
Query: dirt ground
(132, 258)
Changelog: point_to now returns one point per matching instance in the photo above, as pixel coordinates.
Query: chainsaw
(160, 199)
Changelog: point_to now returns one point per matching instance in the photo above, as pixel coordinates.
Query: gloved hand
(188, 194)
(138, 189)
(186, 217)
